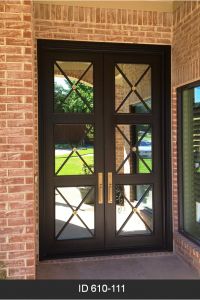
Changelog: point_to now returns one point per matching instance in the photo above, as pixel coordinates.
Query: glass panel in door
(134, 209)
(73, 87)
(133, 148)
(74, 212)
(132, 88)
(74, 149)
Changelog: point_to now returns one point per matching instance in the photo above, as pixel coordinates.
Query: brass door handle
(100, 188)
(110, 187)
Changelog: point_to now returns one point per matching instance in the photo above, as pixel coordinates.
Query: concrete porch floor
(128, 266)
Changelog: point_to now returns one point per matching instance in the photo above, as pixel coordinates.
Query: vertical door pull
(110, 187)
(100, 188)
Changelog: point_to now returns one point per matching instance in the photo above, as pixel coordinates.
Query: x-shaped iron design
(135, 210)
(74, 150)
(131, 148)
(74, 86)
(74, 212)
(133, 88)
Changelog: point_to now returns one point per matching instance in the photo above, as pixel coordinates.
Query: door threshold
(105, 256)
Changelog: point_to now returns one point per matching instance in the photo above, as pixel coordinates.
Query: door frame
(98, 47)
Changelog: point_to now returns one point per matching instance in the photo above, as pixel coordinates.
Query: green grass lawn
(75, 166)
(143, 168)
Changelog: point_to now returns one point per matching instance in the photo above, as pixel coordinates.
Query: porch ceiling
(164, 6)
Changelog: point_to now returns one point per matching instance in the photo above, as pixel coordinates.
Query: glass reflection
(73, 87)
(133, 149)
(74, 212)
(134, 209)
(74, 149)
(191, 161)
(132, 88)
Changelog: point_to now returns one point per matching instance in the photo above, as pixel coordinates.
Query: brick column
(17, 212)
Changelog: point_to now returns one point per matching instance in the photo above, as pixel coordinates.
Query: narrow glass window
(190, 157)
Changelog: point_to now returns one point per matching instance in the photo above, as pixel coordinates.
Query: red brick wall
(17, 223)
(185, 69)
(95, 24)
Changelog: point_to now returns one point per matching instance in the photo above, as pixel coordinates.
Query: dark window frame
(180, 91)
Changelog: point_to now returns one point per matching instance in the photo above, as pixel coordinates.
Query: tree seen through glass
(67, 100)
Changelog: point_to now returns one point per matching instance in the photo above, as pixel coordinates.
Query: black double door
(101, 150)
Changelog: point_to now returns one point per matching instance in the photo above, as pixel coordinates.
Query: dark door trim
(164, 52)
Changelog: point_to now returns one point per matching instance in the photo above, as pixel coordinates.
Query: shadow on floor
(162, 266)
